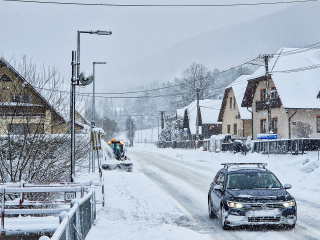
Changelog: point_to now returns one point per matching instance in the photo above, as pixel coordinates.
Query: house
(24, 109)
(207, 118)
(294, 95)
(236, 120)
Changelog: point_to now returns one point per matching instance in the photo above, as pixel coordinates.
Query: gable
(224, 103)
(24, 88)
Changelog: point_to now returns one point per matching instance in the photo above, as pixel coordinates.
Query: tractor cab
(118, 149)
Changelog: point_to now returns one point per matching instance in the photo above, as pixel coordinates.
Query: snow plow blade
(126, 167)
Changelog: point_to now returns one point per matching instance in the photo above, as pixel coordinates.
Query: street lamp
(98, 32)
(75, 81)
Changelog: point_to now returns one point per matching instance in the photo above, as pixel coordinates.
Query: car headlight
(234, 204)
(289, 203)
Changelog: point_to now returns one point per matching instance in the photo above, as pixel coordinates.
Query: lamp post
(98, 32)
(75, 80)
(94, 91)
(94, 112)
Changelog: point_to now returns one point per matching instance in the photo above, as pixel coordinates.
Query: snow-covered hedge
(40, 158)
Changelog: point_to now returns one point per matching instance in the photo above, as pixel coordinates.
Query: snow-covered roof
(56, 98)
(296, 74)
(209, 113)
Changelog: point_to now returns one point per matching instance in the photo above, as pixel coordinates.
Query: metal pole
(78, 54)
(72, 117)
(93, 95)
(197, 119)
(266, 60)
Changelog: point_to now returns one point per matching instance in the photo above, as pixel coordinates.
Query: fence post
(2, 212)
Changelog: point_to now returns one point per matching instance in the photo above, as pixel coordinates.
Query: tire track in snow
(184, 172)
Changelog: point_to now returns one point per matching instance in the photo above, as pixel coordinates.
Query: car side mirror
(287, 186)
(217, 187)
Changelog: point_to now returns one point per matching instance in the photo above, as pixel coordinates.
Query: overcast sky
(47, 33)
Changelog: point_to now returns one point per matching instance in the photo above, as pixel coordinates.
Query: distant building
(207, 118)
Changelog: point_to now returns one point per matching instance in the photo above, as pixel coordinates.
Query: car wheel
(289, 226)
(211, 213)
(223, 219)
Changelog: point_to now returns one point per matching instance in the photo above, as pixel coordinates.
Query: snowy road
(188, 183)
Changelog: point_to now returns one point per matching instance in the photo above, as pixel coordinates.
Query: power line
(162, 5)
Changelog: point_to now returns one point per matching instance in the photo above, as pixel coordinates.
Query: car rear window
(252, 180)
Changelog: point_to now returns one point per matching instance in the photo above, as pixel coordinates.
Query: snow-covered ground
(165, 196)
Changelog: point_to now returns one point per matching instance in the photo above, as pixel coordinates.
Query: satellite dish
(86, 78)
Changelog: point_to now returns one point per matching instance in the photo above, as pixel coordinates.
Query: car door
(217, 194)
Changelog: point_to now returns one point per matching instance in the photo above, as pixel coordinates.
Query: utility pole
(72, 113)
(197, 119)
(162, 119)
(266, 61)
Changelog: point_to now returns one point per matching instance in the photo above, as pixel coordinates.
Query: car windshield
(252, 180)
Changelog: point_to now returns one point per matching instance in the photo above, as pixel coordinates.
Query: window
(235, 130)
(230, 102)
(219, 179)
(234, 103)
(274, 124)
(318, 123)
(228, 128)
(263, 125)
(274, 93)
(18, 128)
(263, 95)
(21, 98)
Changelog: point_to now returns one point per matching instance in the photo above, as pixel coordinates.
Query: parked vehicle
(250, 194)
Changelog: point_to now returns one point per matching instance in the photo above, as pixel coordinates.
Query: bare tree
(34, 140)
(196, 76)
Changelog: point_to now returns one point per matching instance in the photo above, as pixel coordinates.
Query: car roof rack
(260, 165)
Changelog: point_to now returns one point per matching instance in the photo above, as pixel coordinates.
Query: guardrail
(78, 221)
(15, 199)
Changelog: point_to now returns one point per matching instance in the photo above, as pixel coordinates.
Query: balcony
(262, 105)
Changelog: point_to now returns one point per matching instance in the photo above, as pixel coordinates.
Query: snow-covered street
(166, 196)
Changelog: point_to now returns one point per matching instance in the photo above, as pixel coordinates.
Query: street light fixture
(75, 81)
(98, 32)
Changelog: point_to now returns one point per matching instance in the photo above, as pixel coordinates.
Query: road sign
(96, 140)
(68, 196)
(267, 136)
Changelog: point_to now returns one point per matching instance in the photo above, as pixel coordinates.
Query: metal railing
(291, 146)
(75, 224)
(45, 199)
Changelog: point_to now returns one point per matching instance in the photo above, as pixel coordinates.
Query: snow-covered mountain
(296, 26)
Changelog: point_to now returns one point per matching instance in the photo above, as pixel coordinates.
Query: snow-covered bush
(40, 158)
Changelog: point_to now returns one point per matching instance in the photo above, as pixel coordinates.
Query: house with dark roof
(207, 118)
(236, 120)
(23, 109)
(294, 95)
